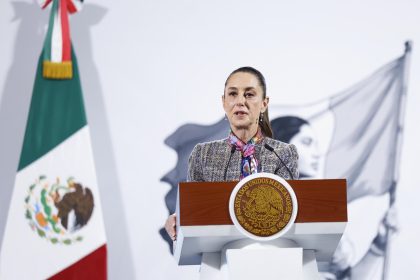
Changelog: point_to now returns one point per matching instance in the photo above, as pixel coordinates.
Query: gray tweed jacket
(208, 161)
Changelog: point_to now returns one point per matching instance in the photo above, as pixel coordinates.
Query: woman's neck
(245, 134)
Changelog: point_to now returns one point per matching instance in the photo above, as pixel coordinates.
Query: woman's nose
(316, 154)
(241, 100)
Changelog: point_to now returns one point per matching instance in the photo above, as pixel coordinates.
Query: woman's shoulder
(210, 146)
(276, 144)
(281, 146)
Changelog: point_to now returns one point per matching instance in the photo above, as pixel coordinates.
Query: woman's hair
(286, 127)
(265, 123)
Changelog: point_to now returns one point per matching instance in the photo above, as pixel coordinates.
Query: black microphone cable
(230, 157)
(271, 149)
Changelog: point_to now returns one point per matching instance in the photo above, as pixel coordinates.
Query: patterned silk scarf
(249, 163)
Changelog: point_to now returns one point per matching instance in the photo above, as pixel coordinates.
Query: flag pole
(399, 139)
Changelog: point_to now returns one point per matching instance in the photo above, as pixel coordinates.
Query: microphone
(271, 149)
(230, 157)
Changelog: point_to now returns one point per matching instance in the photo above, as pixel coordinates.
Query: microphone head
(268, 147)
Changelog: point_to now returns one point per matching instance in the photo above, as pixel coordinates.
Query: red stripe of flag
(93, 266)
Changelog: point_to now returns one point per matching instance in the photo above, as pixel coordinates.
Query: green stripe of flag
(56, 112)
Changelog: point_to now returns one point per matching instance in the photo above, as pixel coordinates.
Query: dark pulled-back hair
(265, 123)
(286, 127)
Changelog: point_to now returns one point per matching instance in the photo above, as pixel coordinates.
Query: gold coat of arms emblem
(263, 205)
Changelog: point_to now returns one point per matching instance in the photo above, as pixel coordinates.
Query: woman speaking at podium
(249, 148)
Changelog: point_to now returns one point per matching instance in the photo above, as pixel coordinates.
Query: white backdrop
(148, 67)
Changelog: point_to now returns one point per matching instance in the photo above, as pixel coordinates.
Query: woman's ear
(223, 102)
(265, 104)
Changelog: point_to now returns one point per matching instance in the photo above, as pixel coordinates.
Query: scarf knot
(249, 163)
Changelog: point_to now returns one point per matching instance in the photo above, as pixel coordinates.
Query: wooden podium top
(204, 224)
(207, 203)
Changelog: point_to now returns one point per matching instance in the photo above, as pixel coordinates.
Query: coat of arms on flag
(56, 211)
(355, 134)
(54, 226)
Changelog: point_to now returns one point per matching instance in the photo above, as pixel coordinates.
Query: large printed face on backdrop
(243, 100)
(298, 131)
(306, 143)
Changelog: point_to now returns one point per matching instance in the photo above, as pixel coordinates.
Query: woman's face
(307, 146)
(243, 101)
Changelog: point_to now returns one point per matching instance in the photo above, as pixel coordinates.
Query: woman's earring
(261, 117)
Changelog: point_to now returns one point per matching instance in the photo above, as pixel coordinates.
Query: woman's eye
(306, 141)
(249, 94)
(232, 93)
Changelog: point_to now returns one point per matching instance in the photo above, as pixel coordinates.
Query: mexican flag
(54, 226)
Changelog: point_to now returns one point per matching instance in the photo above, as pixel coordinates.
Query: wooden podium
(204, 225)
